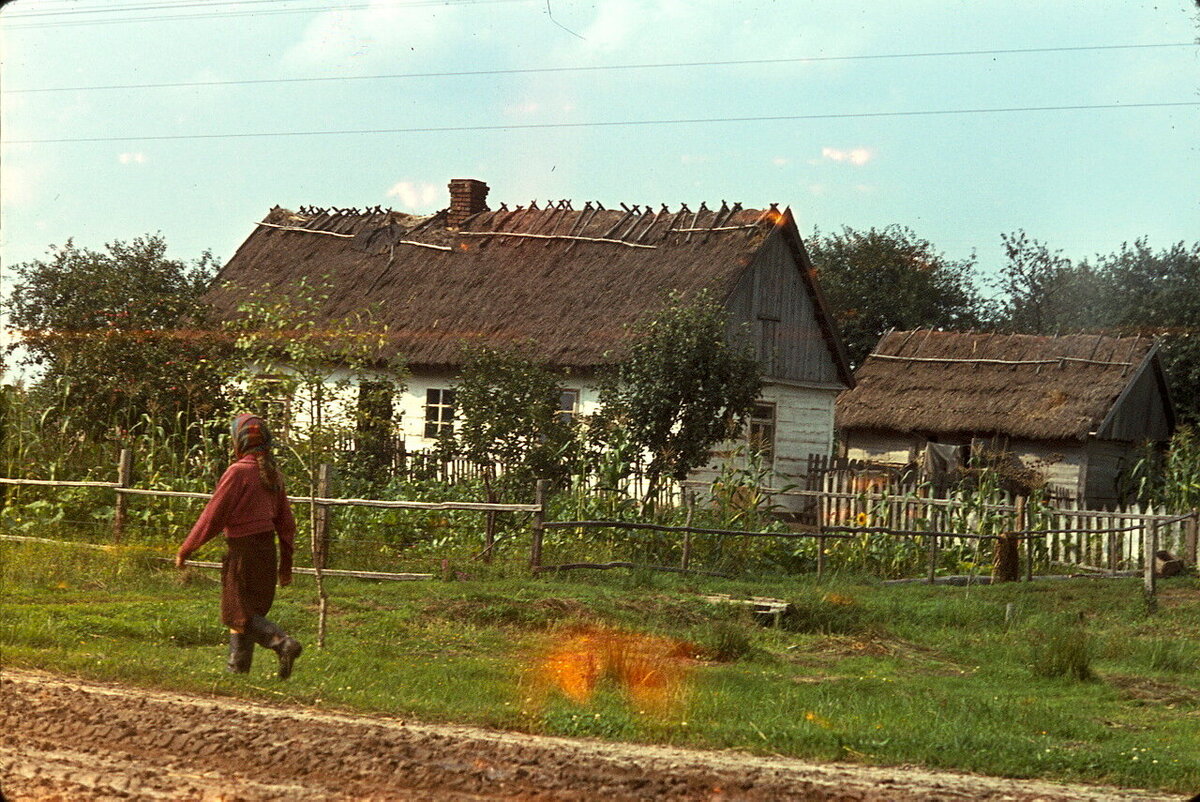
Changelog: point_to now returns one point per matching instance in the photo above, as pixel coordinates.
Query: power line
(75, 8)
(249, 13)
(603, 67)
(605, 123)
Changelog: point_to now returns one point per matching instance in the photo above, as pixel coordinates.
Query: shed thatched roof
(563, 283)
(1020, 385)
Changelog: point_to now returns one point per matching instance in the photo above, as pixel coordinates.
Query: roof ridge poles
(653, 221)
(585, 216)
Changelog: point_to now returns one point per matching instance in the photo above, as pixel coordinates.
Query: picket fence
(1111, 540)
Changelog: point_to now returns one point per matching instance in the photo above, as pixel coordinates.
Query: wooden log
(57, 483)
(120, 509)
(607, 240)
(622, 564)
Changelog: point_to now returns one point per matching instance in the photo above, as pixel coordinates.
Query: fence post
(1150, 546)
(933, 557)
(321, 519)
(1193, 530)
(820, 554)
(685, 562)
(539, 519)
(1022, 525)
(124, 478)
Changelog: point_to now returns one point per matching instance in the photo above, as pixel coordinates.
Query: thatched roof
(567, 288)
(1020, 385)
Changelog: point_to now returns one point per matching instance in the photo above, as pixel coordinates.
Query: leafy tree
(116, 333)
(890, 278)
(1043, 292)
(508, 407)
(1158, 292)
(682, 388)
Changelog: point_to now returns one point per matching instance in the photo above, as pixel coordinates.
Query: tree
(508, 406)
(108, 329)
(878, 280)
(1043, 292)
(682, 388)
(1158, 292)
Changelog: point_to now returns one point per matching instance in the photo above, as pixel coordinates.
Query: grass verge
(1076, 682)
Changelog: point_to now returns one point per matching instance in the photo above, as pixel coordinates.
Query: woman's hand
(179, 560)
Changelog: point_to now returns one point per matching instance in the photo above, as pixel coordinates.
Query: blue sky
(1083, 180)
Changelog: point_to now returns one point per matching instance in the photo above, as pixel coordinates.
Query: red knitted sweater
(241, 506)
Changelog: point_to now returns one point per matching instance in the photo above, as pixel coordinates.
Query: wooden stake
(1193, 530)
(539, 519)
(1149, 578)
(933, 557)
(124, 477)
(321, 519)
(686, 561)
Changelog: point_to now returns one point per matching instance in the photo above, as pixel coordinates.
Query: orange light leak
(774, 216)
(651, 671)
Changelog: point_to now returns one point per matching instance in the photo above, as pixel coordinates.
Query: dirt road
(65, 739)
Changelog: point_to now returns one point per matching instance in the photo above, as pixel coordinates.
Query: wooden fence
(1111, 540)
(1106, 539)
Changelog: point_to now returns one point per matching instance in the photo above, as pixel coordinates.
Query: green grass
(1081, 684)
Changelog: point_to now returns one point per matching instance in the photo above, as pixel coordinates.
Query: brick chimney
(467, 197)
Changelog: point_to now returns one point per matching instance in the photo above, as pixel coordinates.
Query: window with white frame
(761, 432)
(439, 412)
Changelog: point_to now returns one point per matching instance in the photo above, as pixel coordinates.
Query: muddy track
(66, 739)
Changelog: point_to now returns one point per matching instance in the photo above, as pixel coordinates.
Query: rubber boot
(266, 634)
(241, 653)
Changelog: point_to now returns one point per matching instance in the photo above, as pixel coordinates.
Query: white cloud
(385, 31)
(694, 158)
(132, 158)
(414, 196)
(856, 156)
(523, 108)
(781, 161)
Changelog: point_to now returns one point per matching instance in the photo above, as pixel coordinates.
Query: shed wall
(1142, 413)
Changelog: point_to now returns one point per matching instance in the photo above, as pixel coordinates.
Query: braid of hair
(268, 471)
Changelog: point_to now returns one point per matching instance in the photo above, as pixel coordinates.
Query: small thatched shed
(1076, 407)
(565, 284)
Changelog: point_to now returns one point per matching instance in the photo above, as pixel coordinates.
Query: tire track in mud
(70, 739)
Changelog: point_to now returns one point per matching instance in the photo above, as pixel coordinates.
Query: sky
(852, 113)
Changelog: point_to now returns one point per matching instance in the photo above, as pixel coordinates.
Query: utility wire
(253, 12)
(601, 68)
(604, 124)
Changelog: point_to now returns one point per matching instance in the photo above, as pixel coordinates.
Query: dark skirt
(248, 573)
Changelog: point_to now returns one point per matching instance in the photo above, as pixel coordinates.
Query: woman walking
(251, 508)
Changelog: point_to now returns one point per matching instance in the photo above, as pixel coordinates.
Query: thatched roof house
(1078, 404)
(564, 283)
(567, 282)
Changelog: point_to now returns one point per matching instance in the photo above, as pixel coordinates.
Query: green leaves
(118, 331)
(890, 278)
(683, 388)
(508, 406)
